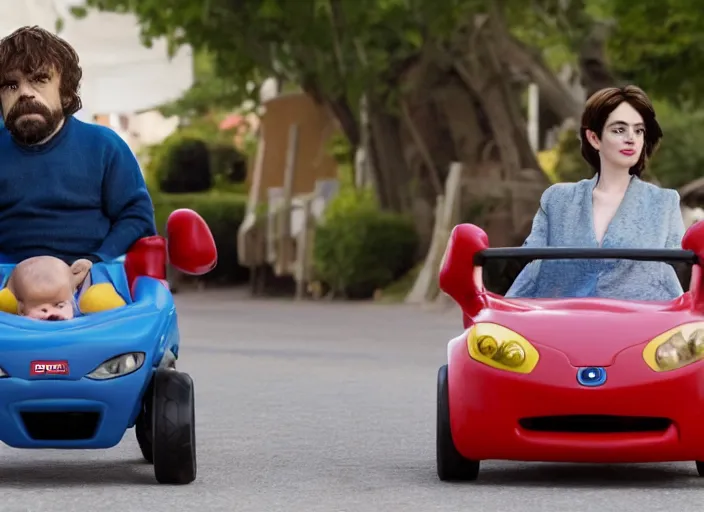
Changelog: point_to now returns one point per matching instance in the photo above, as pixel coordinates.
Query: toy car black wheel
(143, 426)
(451, 465)
(700, 467)
(173, 421)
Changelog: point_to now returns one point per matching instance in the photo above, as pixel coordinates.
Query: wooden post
(534, 117)
(446, 217)
(257, 169)
(273, 206)
(284, 217)
(303, 248)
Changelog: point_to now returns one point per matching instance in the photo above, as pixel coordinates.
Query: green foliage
(659, 45)
(183, 165)
(359, 249)
(226, 167)
(680, 158)
(555, 27)
(344, 48)
(340, 48)
(224, 213)
(208, 92)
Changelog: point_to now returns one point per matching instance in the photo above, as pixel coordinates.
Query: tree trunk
(458, 102)
(594, 70)
(392, 176)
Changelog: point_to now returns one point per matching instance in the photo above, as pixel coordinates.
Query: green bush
(359, 249)
(184, 167)
(196, 158)
(680, 158)
(224, 213)
(228, 165)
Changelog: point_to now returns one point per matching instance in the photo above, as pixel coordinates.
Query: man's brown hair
(32, 49)
(598, 108)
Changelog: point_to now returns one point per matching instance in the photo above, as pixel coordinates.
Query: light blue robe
(648, 217)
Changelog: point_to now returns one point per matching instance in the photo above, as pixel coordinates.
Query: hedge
(224, 212)
(195, 159)
(359, 249)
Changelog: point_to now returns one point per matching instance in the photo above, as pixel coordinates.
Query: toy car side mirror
(190, 243)
(693, 240)
(459, 277)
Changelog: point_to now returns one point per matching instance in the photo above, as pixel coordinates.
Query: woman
(615, 208)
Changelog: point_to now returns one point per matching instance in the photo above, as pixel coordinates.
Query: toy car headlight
(499, 347)
(676, 348)
(118, 366)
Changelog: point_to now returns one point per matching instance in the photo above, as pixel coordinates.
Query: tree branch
(516, 55)
(422, 149)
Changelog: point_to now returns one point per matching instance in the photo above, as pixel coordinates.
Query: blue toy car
(82, 383)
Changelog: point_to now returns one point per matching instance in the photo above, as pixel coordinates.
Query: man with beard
(68, 189)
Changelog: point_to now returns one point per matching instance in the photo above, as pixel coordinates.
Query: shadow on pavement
(51, 473)
(589, 476)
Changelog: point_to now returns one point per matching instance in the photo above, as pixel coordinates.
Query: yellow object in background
(548, 161)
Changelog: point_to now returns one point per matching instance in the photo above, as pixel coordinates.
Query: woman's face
(622, 139)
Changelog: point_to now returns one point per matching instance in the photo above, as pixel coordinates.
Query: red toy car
(569, 380)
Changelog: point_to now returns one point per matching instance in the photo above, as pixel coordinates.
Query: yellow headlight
(676, 348)
(499, 347)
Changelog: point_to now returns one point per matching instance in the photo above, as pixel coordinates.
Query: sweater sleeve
(525, 283)
(676, 225)
(126, 203)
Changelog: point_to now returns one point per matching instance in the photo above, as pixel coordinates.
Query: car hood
(589, 335)
(83, 343)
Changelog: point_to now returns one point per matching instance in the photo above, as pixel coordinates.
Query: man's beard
(32, 130)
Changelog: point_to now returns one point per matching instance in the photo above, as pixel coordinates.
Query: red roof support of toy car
(459, 277)
(189, 247)
(694, 241)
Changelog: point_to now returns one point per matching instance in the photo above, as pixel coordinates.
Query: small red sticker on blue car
(48, 368)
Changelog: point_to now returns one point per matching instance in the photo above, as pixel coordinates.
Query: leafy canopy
(344, 48)
(341, 47)
(659, 45)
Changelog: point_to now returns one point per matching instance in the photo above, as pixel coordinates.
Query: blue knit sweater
(648, 217)
(80, 195)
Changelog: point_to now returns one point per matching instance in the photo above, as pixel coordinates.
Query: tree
(442, 81)
(209, 92)
(658, 44)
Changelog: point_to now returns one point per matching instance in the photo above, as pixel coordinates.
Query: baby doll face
(48, 300)
(51, 310)
(44, 287)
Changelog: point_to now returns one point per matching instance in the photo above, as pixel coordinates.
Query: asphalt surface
(322, 407)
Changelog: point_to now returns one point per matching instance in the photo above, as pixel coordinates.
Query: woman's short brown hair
(598, 108)
(31, 49)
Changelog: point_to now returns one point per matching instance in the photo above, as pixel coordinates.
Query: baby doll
(45, 287)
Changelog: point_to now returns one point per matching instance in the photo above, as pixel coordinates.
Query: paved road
(322, 407)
